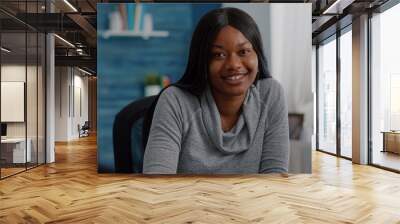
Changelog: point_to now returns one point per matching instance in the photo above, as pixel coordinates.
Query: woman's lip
(234, 74)
(234, 79)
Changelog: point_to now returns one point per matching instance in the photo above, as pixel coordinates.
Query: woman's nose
(234, 62)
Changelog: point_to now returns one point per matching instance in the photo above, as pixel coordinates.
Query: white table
(19, 153)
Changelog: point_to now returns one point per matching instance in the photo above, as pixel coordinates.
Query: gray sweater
(186, 134)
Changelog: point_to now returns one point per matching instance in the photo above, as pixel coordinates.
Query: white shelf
(128, 33)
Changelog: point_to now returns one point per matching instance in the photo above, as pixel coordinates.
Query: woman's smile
(235, 78)
(233, 65)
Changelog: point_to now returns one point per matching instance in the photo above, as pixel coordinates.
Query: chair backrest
(128, 154)
(85, 126)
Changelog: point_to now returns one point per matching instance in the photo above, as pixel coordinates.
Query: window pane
(31, 97)
(346, 94)
(13, 87)
(327, 97)
(41, 98)
(385, 86)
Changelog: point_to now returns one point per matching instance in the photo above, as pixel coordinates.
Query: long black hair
(195, 78)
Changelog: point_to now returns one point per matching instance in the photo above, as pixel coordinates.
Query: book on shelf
(131, 15)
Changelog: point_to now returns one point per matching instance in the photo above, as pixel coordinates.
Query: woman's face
(234, 63)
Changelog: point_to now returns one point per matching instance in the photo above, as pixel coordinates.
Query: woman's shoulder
(269, 88)
(178, 93)
(178, 97)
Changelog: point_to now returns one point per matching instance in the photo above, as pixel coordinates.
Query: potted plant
(152, 84)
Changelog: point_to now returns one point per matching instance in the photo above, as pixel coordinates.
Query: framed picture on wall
(12, 101)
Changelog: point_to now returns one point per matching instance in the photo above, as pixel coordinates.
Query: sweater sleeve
(275, 154)
(162, 151)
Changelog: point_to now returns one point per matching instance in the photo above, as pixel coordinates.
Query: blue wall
(123, 62)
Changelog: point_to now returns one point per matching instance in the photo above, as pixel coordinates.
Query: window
(346, 93)
(333, 77)
(385, 89)
(327, 96)
(22, 77)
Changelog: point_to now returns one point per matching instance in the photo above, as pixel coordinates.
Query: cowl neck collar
(241, 136)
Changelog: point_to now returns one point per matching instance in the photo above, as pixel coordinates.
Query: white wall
(286, 33)
(80, 85)
(14, 73)
(70, 83)
(17, 73)
(62, 80)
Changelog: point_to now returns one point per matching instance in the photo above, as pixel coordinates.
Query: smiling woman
(226, 115)
(233, 69)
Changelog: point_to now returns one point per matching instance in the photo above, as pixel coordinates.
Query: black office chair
(127, 136)
(84, 130)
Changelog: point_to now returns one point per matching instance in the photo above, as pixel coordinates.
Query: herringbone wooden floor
(71, 191)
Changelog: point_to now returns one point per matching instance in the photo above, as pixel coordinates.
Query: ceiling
(77, 24)
(331, 15)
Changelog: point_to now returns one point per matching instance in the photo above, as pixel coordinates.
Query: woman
(226, 114)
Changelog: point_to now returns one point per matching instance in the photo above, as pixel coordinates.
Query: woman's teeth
(235, 77)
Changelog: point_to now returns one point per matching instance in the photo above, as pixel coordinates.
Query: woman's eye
(218, 55)
(244, 52)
